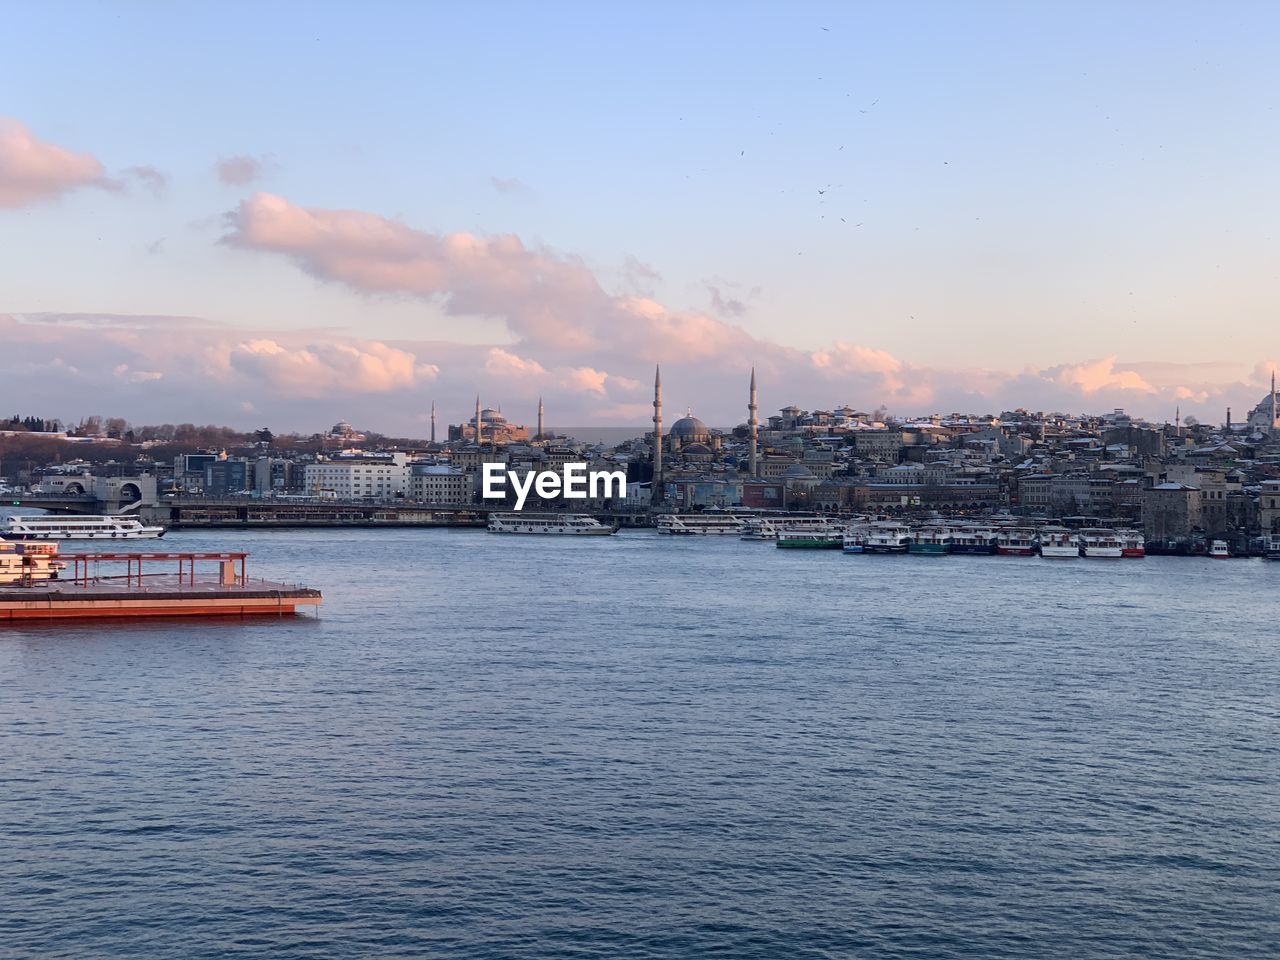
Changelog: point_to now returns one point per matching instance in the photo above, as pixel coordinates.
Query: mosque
(691, 445)
(1264, 417)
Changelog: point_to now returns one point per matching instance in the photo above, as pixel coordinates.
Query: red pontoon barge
(119, 585)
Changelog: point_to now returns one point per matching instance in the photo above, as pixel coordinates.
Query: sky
(286, 214)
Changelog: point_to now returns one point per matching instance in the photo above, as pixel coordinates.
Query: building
(226, 476)
(376, 477)
(1171, 511)
(439, 483)
(1265, 417)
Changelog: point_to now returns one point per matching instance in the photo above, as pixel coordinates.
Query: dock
(152, 585)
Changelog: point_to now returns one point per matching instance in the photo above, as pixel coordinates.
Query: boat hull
(1133, 553)
(145, 535)
(975, 549)
(1060, 553)
(810, 544)
(1102, 553)
(1027, 551)
(885, 548)
(929, 549)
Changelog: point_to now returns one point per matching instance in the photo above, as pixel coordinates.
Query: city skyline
(852, 201)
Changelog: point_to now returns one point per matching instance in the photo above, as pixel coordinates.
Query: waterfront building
(440, 483)
(226, 476)
(1171, 511)
(370, 476)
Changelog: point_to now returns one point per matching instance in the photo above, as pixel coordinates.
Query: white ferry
(1273, 547)
(1218, 550)
(24, 563)
(768, 528)
(1100, 542)
(52, 527)
(1058, 543)
(699, 525)
(549, 524)
(887, 538)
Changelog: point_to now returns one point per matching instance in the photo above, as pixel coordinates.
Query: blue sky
(1021, 185)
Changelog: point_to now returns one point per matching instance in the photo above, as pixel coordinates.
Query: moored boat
(1100, 543)
(1273, 547)
(768, 528)
(977, 540)
(855, 540)
(810, 540)
(931, 541)
(29, 562)
(887, 538)
(1218, 550)
(549, 524)
(698, 524)
(1058, 543)
(1132, 546)
(1015, 542)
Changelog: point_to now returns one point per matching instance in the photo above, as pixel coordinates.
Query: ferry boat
(1273, 547)
(979, 540)
(887, 538)
(855, 541)
(1218, 550)
(1098, 542)
(1132, 546)
(53, 527)
(26, 563)
(932, 541)
(552, 524)
(1058, 543)
(768, 528)
(699, 525)
(1015, 542)
(810, 540)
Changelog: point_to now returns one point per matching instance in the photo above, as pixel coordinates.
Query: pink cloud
(32, 170)
(318, 368)
(156, 368)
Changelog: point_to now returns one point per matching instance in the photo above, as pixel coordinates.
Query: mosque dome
(690, 429)
(696, 450)
(797, 471)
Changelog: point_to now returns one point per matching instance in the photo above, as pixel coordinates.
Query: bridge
(53, 502)
(189, 512)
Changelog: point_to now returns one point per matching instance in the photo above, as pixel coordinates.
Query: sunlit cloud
(32, 170)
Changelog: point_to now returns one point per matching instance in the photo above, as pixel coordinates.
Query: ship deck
(161, 596)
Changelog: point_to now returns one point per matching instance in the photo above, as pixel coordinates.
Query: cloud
(1099, 375)
(32, 170)
(149, 178)
(317, 368)
(510, 186)
(239, 170)
(503, 363)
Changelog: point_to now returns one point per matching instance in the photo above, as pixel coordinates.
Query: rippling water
(644, 747)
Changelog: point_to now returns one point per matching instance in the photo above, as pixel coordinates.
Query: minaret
(656, 487)
(539, 436)
(752, 425)
(1273, 400)
(433, 421)
(478, 420)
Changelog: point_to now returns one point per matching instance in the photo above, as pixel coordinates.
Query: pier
(152, 585)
